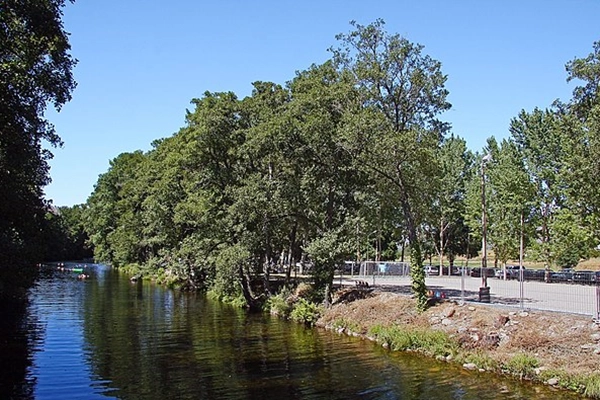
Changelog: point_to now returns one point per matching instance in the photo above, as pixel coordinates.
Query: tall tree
(112, 218)
(511, 200)
(330, 180)
(35, 70)
(398, 132)
(446, 225)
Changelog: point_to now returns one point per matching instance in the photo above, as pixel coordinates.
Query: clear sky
(142, 61)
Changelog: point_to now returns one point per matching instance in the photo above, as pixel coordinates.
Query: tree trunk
(253, 303)
(442, 247)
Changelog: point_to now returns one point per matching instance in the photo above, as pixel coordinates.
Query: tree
(510, 201)
(35, 70)
(449, 201)
(581, 125)
(330, 180)
(112, 218)
(397, 133)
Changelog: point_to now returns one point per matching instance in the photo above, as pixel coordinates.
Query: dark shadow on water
(15, 350)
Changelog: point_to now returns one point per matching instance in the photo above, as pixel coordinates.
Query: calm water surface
(108, 338)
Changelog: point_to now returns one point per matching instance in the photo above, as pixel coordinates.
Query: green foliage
(36, 71)
(345, 325)
(522, 365)
(227, 282)
(592, 386)
(280, 304)
(306, 312)
(397, 136)
(348, 155)
(327, 252)
(481, 360)
(417, 273)
(430, 342)
(573, 382)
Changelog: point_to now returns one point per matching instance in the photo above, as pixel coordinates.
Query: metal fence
(530, 291)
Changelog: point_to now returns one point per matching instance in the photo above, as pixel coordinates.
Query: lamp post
(484, 290)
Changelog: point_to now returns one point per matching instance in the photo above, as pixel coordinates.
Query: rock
(553, 381)
(512, 313)
(502, 320)
(470, 366)
(471, 308)
(449, 358)
(523, 314)
(586, 346)
(491, 339)
(446, 322)
(449, 312)
(595, 337)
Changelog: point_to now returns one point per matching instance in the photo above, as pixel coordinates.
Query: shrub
(306, 312)
(280, 304)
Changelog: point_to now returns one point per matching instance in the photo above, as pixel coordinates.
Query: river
(105, 337)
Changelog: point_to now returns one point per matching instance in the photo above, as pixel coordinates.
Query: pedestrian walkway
(561, 297)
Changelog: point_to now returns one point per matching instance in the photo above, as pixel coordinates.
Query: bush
(235, 300)
(280, 304)
(306, 312)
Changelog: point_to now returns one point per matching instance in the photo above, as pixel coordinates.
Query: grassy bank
(554, 349)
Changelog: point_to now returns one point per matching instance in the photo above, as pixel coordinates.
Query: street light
(484, 290)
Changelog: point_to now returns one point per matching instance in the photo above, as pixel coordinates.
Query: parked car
(512, 272)
(476, 272)
(431, 270)
(584, 277)
(564, 275)
(535, 274)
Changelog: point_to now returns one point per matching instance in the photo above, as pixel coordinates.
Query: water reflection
(108, 338)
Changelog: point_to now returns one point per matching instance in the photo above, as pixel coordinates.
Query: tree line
(349, 155)
(35, 72)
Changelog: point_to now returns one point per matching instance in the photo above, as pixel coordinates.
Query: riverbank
(561, 350)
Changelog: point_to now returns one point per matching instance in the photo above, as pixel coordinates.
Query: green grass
(522, 365)
(428, 342)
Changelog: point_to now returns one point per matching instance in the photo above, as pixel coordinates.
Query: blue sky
(142, 61)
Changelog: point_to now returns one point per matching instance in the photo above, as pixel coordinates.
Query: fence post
(462, 285)
(521, 288)
(597, 302)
